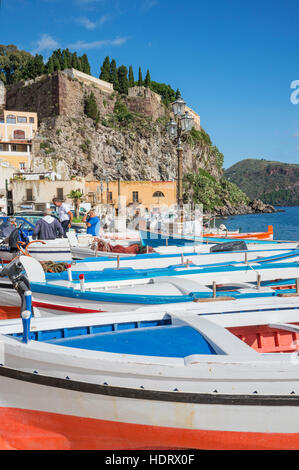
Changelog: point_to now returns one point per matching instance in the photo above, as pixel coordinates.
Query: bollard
(26, 317)
(118, 261)
(214, 289)
(258, 281)
(28, 300)
(297, 285)
(69, 272)
(246, 258)
(82, 282)
(166, 242)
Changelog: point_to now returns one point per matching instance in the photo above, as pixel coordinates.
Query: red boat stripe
(64, 308)
(36, 430)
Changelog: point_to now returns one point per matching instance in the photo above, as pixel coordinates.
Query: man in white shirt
(65, 215)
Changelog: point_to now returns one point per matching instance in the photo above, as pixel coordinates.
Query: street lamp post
(107, 183)
(119, 165)
(102, 189)
(182, 123)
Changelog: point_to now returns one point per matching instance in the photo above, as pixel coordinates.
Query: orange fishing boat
(268, 235)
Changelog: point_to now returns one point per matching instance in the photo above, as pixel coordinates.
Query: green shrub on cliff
(203, 188)
(91, 107)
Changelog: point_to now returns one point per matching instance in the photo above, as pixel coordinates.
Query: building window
(22, 165)
(18, 134)
(60, 193)
(13, 148)
(31, 120)
(29, 195)
(11, 119)
(22, 119)
(158, 194)
(110, 196)
(135, 196)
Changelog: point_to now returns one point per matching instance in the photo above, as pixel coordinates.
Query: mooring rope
(53, 267)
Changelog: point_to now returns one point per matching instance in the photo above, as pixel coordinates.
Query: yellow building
(149, 194)
(17, 129)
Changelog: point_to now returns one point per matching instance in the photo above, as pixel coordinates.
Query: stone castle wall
(62, 94)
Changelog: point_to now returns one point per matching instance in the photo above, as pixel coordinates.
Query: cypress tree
(75, 63)
(68, 57)
(105, 70)
(113, 77)
(50, 65)
(122, 73)
(57, 57)
(91, 108)
(140, 81)
(79, 64)
(147, 80)
(131, 77)
(56, 63)
(177, 94)
(85, 64)
(38, 65)
(65, 60)
(28, 71)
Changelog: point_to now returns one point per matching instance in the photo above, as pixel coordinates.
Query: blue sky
(233, 61)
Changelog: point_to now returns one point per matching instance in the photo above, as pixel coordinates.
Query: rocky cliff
(73, 144)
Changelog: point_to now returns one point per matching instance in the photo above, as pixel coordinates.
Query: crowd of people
(50, 228)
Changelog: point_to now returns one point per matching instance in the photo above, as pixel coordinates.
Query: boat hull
(45, 414)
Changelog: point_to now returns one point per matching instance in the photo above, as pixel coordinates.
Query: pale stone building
(36, 191)
(17, 129)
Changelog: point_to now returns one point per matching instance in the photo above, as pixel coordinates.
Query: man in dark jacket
(47, 228)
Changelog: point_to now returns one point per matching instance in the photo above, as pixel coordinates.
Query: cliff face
(72, 144)
(273, 182)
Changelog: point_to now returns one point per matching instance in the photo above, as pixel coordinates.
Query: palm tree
(77, 196)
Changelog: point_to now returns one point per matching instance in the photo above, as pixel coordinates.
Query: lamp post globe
(178, 107)
(187, 122)
(172, 128)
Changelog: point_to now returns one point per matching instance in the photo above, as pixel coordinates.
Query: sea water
(285, 223)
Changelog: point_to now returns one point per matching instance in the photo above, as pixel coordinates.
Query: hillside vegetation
(273, 182)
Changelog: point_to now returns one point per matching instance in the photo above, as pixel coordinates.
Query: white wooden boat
(42, 250)
(159, 378)
(157, 260)
(115, 290)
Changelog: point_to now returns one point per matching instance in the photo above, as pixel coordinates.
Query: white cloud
(84, 21)
(147, 4)
(45, 43)
(79, 45)
(88, 24)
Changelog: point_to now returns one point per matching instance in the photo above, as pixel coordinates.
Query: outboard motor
(17, 275)
(238, 245)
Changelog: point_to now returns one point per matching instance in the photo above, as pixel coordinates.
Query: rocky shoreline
(253, 207)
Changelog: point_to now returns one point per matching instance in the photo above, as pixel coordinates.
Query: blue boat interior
(165, 341)
(150, 338)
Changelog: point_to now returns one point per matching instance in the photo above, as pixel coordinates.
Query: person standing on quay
(92, 222)
(65, 215)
